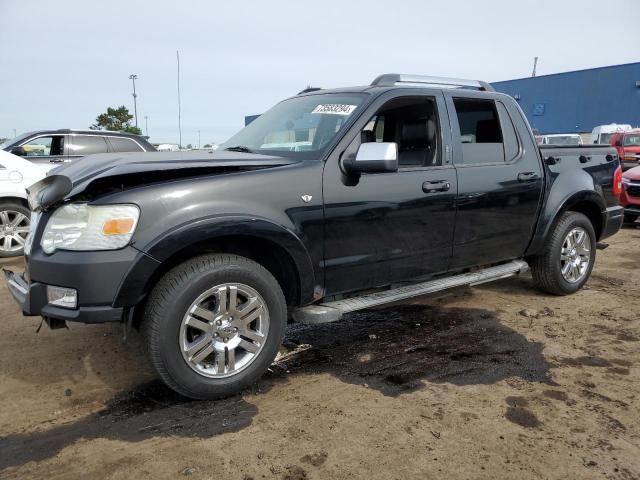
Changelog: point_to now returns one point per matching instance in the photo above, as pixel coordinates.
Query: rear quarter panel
(580, 174)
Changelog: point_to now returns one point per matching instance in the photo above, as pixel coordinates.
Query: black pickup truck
(331, 201)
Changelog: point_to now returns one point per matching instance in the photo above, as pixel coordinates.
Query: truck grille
(633, 190)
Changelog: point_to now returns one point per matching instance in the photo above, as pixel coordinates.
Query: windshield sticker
(335, 109)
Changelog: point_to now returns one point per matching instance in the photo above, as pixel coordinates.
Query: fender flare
(135, 283)
(549, 216)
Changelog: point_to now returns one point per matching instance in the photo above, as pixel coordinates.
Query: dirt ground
(497, 381)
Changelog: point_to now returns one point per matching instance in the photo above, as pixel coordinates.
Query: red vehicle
(628, 146)
(630, 197)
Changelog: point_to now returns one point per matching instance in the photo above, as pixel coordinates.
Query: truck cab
(628, 146)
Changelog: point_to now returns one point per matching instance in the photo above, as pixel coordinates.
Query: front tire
(566, 264)
(214, 324)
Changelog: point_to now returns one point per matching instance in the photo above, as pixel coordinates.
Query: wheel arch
(12, 198)
(587, 202)
(276, 248)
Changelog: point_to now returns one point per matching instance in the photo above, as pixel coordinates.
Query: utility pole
(179, 106)
(535, 64)
(133, 78)
(198, 139)
(146, 126)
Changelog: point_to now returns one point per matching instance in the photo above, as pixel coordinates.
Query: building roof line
(566, 73)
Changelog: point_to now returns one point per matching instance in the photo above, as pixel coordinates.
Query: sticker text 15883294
(335, 109)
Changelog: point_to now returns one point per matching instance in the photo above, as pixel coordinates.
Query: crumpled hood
(73, 178)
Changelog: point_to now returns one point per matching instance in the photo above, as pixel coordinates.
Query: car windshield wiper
(239, 148)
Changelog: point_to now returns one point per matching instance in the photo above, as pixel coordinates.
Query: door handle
(437, 186)
(527, 176)
(56, 160)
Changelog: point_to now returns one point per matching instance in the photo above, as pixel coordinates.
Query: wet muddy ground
(497, 381)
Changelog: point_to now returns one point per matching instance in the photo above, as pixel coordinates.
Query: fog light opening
(62, 296)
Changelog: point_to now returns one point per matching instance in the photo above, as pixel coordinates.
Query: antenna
(535, 64)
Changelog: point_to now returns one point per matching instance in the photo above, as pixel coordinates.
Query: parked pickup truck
(408, 186)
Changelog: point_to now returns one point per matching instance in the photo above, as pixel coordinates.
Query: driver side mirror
(374, 157)
(19, 151)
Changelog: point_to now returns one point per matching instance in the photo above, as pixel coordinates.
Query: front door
(387, 228)
(45, 149)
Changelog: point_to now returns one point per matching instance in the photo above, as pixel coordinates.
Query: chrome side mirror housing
(374, 157)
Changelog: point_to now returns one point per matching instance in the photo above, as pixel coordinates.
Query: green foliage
(134, 130)
(206, 145)
(117, 120)
(2, 140)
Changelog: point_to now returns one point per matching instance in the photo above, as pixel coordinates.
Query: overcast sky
(64, 61)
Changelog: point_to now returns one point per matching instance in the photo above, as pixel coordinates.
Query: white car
(561, 139)
(16, 174)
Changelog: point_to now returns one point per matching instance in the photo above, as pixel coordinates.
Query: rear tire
(214, 324)
(568, 258)
(630, 218)
(14, 227)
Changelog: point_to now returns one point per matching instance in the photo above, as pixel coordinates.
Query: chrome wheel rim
(14, 227)
(575, 255)
(224, 330)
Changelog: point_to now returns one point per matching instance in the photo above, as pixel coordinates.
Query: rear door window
(122, 144)
(87, 145)
(480, 132)
(510, 138)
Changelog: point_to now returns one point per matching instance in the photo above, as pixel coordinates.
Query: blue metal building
(575, 102)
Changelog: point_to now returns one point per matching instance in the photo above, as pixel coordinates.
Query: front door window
(44, 146)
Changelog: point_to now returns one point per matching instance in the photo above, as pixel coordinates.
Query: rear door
(82, 145)
(500, 180)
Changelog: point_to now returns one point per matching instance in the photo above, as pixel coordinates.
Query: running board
(332, 311)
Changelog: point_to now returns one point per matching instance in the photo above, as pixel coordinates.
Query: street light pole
(133, 78)
(179, 106)
(146, 126)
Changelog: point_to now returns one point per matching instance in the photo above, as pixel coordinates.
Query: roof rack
(399, 79)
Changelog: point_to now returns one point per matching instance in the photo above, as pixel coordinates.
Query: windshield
(564, 140)
(605, 137)
(14, 140)
(301, 127)
(632, 140)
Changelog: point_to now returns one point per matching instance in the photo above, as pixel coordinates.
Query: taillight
(617, 181)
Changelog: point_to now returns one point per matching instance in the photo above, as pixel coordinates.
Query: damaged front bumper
(33, 301)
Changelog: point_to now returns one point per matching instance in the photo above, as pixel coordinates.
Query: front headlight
(78, 226)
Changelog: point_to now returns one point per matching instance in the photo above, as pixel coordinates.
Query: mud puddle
(393, 350)
(396, 349)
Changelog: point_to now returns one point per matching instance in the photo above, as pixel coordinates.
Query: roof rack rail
(399, 79)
